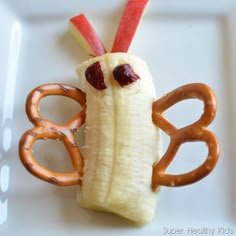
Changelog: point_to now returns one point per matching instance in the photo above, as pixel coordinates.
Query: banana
(121, 141)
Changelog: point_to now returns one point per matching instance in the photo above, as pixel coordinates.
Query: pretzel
(45, 129)
(194, 132)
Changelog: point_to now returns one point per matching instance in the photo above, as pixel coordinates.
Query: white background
(182, 42)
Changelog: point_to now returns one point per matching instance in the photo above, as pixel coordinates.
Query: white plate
(182, 42)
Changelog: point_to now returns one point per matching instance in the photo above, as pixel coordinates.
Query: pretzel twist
(45, 129)
(191, 133)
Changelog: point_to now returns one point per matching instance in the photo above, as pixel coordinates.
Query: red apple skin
(128, 25)
(89, 34)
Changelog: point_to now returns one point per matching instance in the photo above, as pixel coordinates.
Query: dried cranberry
(95, 77)
(124, 74)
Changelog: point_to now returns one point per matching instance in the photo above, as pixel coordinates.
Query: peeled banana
(121, 141)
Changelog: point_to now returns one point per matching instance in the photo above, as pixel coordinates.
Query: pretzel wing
(191, 133)
(45, 129)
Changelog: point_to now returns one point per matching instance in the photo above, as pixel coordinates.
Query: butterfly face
(115, 71)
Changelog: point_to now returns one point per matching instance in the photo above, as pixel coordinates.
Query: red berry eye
(124, 74)
(95, 77)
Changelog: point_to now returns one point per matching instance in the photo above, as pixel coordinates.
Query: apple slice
(84, 33)
(128, 25)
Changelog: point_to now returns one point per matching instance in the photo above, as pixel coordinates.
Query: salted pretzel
(45, 129)
(191, 133)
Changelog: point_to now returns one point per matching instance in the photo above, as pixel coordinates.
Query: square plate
(182, 42)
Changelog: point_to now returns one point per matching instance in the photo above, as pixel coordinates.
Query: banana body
(122, 143)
